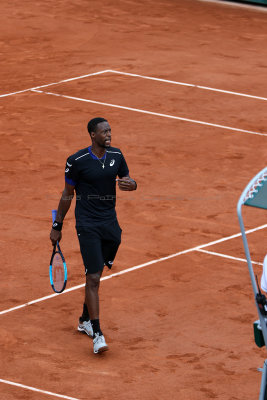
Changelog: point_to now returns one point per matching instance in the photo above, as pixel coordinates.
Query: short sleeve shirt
(95, 184)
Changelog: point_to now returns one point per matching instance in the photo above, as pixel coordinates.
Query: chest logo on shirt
(112, 162)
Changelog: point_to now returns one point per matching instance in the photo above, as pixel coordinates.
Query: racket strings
(58, 272)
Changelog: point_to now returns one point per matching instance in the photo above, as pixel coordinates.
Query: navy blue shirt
(95, 184)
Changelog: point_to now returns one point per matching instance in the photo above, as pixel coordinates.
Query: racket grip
(54, 214)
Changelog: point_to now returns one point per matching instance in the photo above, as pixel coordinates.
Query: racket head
(58, 270)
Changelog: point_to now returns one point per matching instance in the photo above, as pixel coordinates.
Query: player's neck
(97, 150)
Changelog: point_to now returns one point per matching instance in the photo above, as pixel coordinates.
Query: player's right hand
(55, 236)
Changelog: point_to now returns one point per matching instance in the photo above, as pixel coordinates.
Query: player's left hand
(126, 183)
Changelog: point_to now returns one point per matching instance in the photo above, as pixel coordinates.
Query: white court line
(102, 279)
(213, 253)
(236, 235)
(143, 77)
(41, 299)
(189, 84)
(60, 396)
(55, 83)
(150, 112)
(197, 248)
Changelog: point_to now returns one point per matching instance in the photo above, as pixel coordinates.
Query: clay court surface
(178, 327)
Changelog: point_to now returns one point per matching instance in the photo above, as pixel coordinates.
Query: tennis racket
(58, 267)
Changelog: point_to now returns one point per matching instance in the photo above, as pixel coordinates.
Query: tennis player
(92, 173)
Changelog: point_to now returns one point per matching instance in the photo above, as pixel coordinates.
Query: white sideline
(213, 253)
(55, 83)
(197, 248)
(150, 112)
(61, 396)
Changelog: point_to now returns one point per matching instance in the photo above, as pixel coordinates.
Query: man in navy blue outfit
(92, 174)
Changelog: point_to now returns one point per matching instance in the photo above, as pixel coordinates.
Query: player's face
(103, 134)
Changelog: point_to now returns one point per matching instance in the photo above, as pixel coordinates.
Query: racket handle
(54, 214)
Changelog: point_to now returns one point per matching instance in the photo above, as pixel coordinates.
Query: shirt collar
(93, 156)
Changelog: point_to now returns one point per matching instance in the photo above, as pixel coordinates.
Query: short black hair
(93, 123)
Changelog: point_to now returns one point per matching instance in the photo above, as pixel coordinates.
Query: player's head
(100, 131)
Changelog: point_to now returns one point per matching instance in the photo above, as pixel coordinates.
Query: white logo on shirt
(112, 162)
(67, 170)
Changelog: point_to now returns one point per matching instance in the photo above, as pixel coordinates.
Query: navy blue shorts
(99, 244)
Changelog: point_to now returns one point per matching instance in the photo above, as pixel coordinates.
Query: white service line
(55, 83)
(60, 396)
(188, 84)
(149, 112)
(213, 253)
(197, 248)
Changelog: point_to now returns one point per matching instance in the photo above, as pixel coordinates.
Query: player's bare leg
(91, 294)
(91, 305)
(92, 301)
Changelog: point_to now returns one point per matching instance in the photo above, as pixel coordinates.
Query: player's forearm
(64, 205)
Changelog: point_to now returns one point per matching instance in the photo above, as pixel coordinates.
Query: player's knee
(93, 280)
